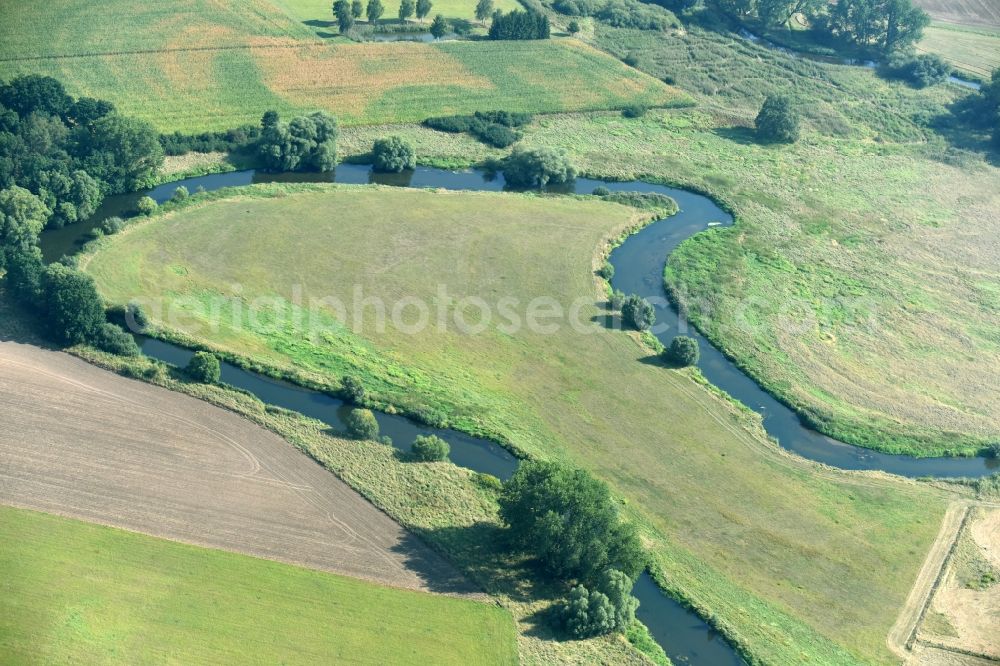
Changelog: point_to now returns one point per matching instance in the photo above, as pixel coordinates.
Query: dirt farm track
(82, 442)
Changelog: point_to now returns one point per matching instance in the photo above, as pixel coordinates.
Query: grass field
(319, 10)
(792, 561)
(74, 591)
(976, 51)
(195, 65)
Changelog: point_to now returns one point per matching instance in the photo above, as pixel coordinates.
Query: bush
(573, 27)
(537, 168)
(778, 121)
(361, 424)
(610, 607)
(919, 71)
(204, 367)
(631, 60)
(112, 225)
(487, 481)
(453, 124)
(114, 340)
(606, 271)
(634, 111)
(505, 118)
(638, 313)
(136, 318)
(601, 191)
(493, 134)
(352, 389)
(210, 142)
(430, 448)
(146, 206)
(568, 520)
(682, 352)
(993, 450)
(180, 194)
(393, 155)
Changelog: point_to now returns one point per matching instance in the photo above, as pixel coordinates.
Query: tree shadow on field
(655, 360)
(745, 136)
(480, 552)
(610, 320)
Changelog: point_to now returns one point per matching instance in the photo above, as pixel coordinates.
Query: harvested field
(964, 614)
(973, 51)
(963, 12)
(81, 442)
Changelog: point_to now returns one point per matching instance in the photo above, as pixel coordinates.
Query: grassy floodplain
(75, 591)
(793, 561)
(195, 66)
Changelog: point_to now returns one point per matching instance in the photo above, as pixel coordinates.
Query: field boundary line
(903, 633)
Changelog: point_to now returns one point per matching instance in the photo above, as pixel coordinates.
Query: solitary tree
(439, 27)
(375, 10)
(638, 313)
(352, 389)
(73, 310)
(393, 155)
(537, 168)
(423, 8)
(406, 9)
(778, 120)
(568, 520)
(484, 9)
(345, 19)
(683, 351)
(361, 424)
(204, 367)
(430, 448)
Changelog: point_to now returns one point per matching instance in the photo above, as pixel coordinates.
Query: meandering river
(639, 264)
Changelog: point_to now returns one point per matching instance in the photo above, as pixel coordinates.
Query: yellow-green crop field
(199, 67)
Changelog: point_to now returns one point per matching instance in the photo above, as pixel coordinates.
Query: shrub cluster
(609, 607)
(393, 155)
(620, 13)
(204, 367)
(229, 140)
(638, 313)
(361, 424)
(430, 448)
(494, 128)
(919, 71)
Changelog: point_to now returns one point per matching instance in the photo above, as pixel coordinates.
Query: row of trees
(348, 11)
(875, 26)
(519, 25)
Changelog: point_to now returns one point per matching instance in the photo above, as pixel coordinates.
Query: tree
(204, 367)
(484, 9)
(618, 588)
(375, 10)
(683, 351)
(778, 120)
(33, 92)
(439, 27)
(22, 217)
(638, 313)
(423, 8)
(70, 197)
(919, 71)
(430, 448)
(882, 26)
(357, 9)
(406, 9)
(123, 152)
(393, 155)
(345, 18)
(180, 193)
(361, 424)
(72, 308)
(306, 143)
(24, 276)
(568, 520)
(114, 340)
(352, 389)
(573, 27)
(537, 167)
